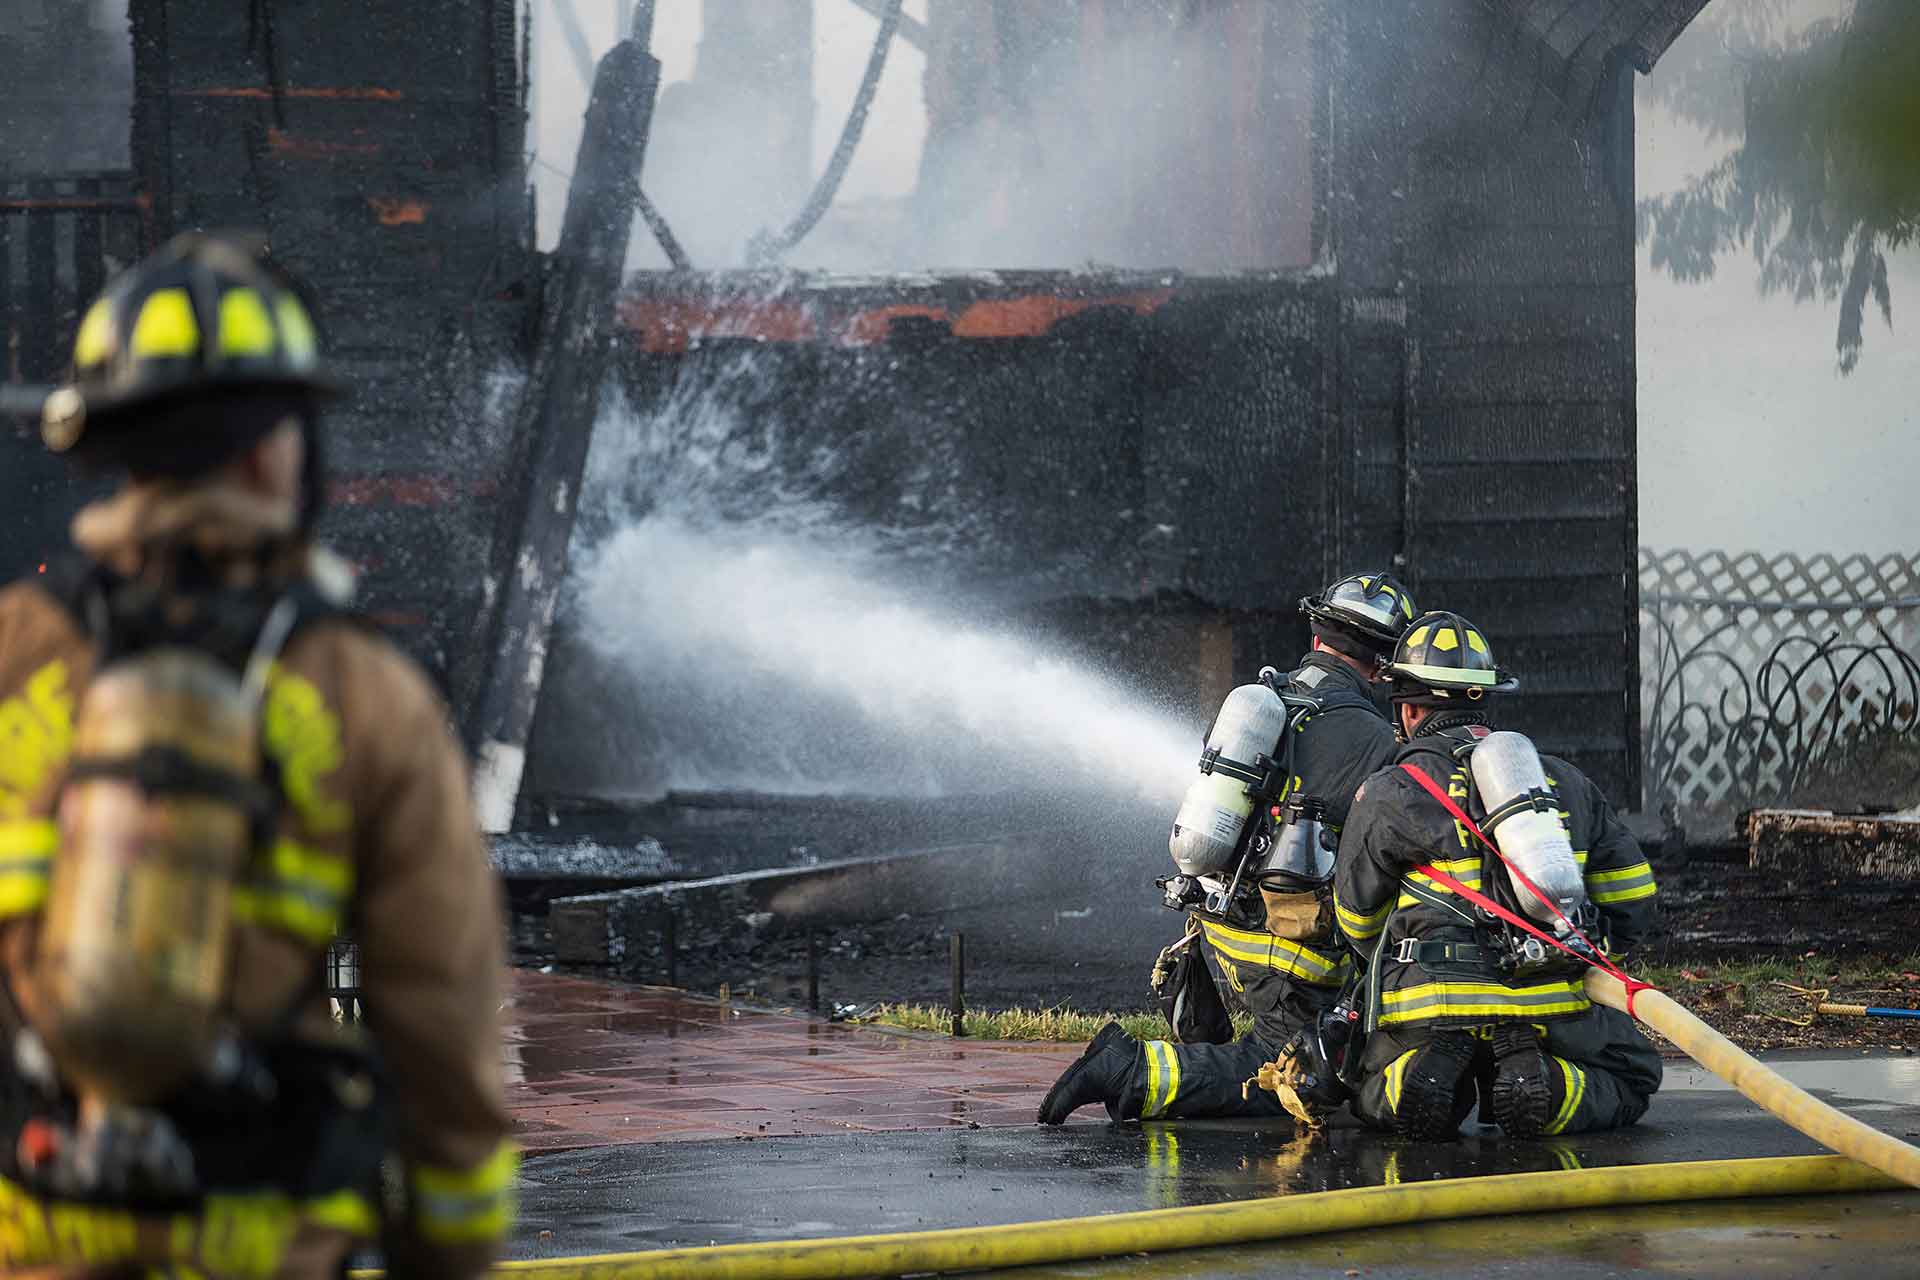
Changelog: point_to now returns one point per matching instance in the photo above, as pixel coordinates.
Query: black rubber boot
(1436, 1089)
(1527, 1090)
(1101, 1074)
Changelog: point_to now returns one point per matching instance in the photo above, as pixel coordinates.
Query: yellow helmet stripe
(296, 331)
(166, 326)
(94, 343)
(245, 327)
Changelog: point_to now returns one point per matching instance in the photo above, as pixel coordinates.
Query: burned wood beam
(912, 30)
(1812, 845)
(560, 401)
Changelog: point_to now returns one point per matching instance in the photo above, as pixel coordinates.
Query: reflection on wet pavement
(1865, 1236)
(590, 1064)
(614, 1090)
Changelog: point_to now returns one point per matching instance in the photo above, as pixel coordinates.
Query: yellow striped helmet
(202, 318)
(1443, 660)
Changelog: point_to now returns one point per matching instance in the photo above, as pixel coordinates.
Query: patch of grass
(1741, 998)
(1058, 1024)
(1757, 1004)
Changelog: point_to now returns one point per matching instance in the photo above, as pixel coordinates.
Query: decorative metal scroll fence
(1778, 679)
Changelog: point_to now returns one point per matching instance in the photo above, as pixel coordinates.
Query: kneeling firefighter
(1253, 843)
(209, 770)
(1462, 1002)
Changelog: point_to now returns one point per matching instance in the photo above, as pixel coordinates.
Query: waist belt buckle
(1404, 951)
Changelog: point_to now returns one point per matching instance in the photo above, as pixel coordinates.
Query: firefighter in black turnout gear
(1463, 1003)
(1258, 900)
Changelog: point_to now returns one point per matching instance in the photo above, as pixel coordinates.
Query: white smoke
(1085, 148)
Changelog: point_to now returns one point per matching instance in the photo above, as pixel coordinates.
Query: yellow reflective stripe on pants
(1274, 952)
(466, 1206)
(1396, 1072)
(1575, 1081)
(1430, 1000)
(1163, 1079)
(27, 846)
(1360, 925)
(1627, 884)
(297, 890)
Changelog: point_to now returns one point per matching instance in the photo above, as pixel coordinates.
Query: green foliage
(1826, 181)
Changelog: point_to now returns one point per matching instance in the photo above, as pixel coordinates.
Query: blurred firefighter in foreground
(1461, 1001)
(209, 769)
(1254, 844)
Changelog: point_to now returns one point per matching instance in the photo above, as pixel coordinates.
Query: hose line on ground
(1240, 1222)
(1765, 1087)
(766, 248)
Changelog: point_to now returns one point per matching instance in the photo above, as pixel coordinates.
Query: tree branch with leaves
(1826, 180)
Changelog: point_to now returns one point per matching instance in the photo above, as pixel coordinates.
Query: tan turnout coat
(378, 838)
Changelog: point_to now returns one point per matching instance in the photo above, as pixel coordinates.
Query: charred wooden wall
(1168, 463)
(379, 148)
(1481, 211)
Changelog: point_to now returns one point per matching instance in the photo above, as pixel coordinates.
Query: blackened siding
(1511, 242)
(379, 147)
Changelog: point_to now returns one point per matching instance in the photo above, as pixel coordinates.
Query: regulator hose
(766, 248)
(1275, 1218)
(1764, 1086)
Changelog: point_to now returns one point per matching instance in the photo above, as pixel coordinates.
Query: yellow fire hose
(1202, 1226)
(1765, 1087)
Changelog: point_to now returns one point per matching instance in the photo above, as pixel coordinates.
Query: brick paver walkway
(591, 1064)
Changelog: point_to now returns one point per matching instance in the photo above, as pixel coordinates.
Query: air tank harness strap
(1594, 955)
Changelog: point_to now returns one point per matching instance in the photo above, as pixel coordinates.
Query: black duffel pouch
(1184, 986)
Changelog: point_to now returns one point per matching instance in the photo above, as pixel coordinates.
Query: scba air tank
(1523, 817)
(1245, 734)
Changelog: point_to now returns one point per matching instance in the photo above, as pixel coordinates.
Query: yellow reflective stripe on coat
(1275, 953)
(344, 1211)
(1357, 925)
(298, 890)
(241, 1235)
(1465, 870)
(1429, 1000)
(466, 1206)
(36, 735)
(27, 847)
(1575, 1082)
(1163, 1078)
(1628, 884)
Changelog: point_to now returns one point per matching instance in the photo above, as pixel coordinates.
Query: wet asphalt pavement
(626, 1198)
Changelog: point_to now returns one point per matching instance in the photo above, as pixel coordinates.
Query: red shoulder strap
(1482, 901)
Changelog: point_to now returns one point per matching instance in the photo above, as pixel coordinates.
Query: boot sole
(1522, 1091)
(1429, 1113)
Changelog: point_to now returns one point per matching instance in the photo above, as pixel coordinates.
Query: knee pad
(1431, 1089)
(1529, 1088)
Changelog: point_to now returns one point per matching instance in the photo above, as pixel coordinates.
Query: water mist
(751, 634)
